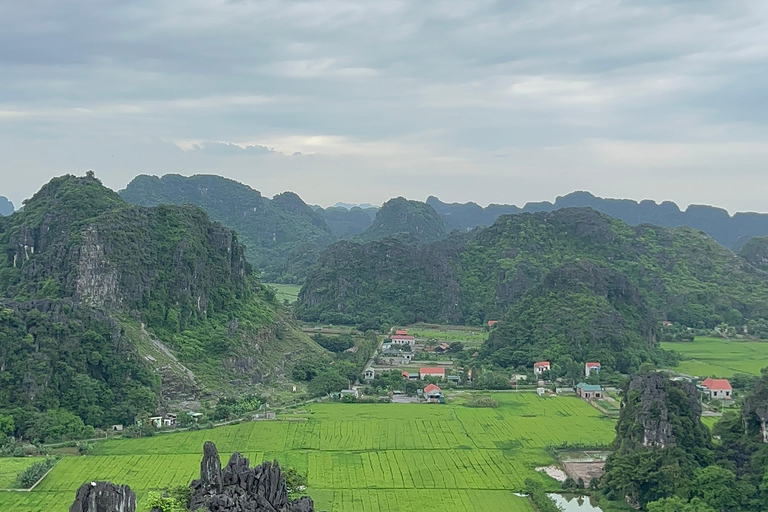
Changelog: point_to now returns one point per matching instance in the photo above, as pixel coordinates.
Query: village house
(589, 391)
(402, 339)
(591, 367)
(369, 374)
(411, 376)
(117, 428)
(433, 394)
(156, 421)
(350, 392)
(431, 372)
(454, 378)
(442, 348)
(541, 367)
(492, 323)
(196, 416)
(718, 388)
(170, 420)
(402, 332)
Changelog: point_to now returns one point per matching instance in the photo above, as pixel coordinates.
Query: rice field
(358, 457)
(706, 357)
(11, 467)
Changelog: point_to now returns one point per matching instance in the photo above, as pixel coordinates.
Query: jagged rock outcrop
(653, 412)
(104, 497)
(241, 488)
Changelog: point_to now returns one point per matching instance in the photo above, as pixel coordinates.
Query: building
(117, 428)
(431, 372)
(589, 391)
(156, 421)
(196, 416)
(454, 378)
(442, 348)
(718, 388)
(402, 332)
(350, 392)
(402, 339)
(541, 367)
(369, 374)
(170, 420)
(433, 394)
(492, 323)
(591, 367)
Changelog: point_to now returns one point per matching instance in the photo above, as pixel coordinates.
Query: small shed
(589, 391)
(369, 374)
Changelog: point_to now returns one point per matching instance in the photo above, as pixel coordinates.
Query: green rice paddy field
(722, 358)
(358, 457)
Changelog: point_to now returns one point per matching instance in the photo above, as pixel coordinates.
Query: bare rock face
(241, 488)
(104, 497)
(653, 412)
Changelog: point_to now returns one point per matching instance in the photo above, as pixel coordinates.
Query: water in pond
(574, 503)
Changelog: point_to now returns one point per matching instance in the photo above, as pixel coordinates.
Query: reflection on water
(574, 503)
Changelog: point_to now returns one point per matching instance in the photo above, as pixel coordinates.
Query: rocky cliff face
(104, 497)
(755, 251)
(240, 488)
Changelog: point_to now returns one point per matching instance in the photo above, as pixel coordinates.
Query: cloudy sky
(359, 101)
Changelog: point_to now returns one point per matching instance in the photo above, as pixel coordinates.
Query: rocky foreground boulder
(104, 497)
(241, 488)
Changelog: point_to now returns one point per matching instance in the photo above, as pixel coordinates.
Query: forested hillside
(283, 235)
(730, 231)
(6, 207)
(90, 283)
(410, 221)
(755, 251)
(570, 278)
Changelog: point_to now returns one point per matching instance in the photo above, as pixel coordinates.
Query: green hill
(411, 221)
(109, 309)
(755, 251)
(572, 281)
(283, 235)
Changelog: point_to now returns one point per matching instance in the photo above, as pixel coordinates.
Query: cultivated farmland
(722, 358)
(359, 457)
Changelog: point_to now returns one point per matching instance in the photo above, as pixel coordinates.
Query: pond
(575, 503)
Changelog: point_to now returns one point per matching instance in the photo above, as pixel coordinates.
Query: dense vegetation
(80, 267)
(283, 235)
(573, 281)
(6, 207)
(411, 221)
(664, 460)
(730, 231)
(755, 251)
(347, 222)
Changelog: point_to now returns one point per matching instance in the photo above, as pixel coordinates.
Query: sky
(363, 100)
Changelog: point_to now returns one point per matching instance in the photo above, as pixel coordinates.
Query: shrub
(482, 401)
(35, 472)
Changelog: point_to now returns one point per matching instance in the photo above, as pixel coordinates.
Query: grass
(359, 457)
(11, 467)
(470, 336)
(718, 357)
(289, 292)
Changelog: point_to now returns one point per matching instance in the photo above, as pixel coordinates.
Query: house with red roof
(433, 393)
(591, 367)
(718, 388)
(431, 372)
(402, 339)
(541, 367)
(402, 332)
(492, 323)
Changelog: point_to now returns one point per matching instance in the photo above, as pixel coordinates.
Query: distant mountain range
(284, 236)
(730, 231)
(6, 207)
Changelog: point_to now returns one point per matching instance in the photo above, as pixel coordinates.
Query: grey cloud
(391, 91)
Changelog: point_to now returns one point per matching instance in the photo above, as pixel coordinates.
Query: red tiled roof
(719, 384)
(593, 365)
(405, 374)
(542, 363)
(401, 337)
(491, 323)
(401, 332)
(432, 370)
(429, 389)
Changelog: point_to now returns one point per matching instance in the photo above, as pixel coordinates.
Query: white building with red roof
(431, 372)
(591, 367)
(541, 367)
(402, 339)
(718, 388)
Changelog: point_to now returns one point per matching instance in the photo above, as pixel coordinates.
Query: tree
(717, 487)
(677, 504)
